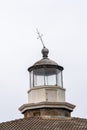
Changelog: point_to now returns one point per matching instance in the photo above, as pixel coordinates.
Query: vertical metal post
(33, 79)
(62, 79)
(44, 78)
(30, 79)
(56, 79)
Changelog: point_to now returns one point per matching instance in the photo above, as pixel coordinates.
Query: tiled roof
(39, 123)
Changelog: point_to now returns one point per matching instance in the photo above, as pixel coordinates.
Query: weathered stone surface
(47, 112)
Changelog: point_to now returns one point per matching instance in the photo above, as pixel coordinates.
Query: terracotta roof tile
(39, 123)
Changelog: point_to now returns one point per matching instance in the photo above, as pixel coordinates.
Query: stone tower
(46, 96)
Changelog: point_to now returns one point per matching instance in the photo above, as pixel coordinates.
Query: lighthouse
(46, 96)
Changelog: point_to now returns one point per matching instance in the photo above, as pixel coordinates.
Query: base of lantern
(62, 109)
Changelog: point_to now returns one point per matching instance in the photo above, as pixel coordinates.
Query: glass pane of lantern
(59, 78)
(52, 80)
(31, 79)
(50, 76)
(38, 80)
(38, 77)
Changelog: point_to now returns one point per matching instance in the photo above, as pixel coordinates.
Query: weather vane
(40, 37)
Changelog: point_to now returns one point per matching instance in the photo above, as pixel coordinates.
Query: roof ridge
(79, 118)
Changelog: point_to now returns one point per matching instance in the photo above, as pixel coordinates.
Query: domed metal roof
(45, 62)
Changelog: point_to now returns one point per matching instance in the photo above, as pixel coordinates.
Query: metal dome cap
(45, 62)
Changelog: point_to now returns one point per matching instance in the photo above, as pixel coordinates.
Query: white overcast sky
(64, 26)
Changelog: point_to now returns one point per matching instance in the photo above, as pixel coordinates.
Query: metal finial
(44, 51)
(40, 37)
